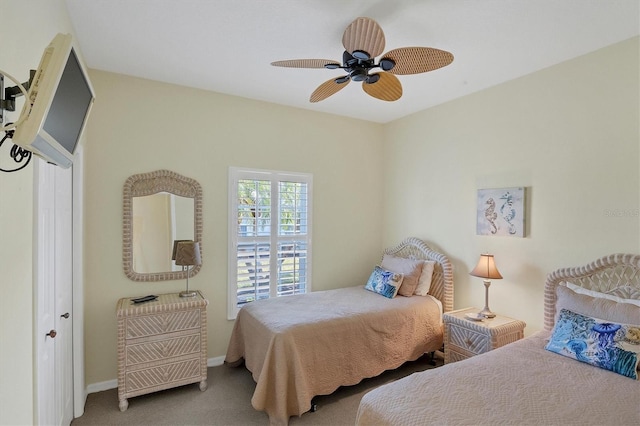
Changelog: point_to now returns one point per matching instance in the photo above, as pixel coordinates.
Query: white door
(64, 294)
(44, 232)
(54, 266)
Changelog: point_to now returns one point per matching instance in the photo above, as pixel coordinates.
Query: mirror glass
(158, 220)
(159, 207)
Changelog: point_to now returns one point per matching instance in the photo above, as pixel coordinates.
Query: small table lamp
(486, 268)
(187, 254)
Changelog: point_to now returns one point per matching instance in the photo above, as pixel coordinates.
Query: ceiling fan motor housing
(358, 74)
(358, 64)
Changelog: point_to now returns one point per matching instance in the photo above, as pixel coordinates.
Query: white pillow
(593, 293)
(597, 307)
(411, 269)
(424, 283)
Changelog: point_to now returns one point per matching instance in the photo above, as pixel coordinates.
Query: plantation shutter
(269, 235)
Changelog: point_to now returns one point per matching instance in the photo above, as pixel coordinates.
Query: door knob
(52, 334)
(65, 316)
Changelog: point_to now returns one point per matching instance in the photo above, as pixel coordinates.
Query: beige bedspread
(298, 347)
(518, 384)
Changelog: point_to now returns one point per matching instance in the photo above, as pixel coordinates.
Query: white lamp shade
(486, 268)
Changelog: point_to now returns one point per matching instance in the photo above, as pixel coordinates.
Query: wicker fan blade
(364, 34)
(414, 60)
(327, 89)
(387, 88)
(304, 63)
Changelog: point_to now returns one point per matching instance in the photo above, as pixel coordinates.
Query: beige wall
(27, 28)
(139, 126)
(569, 134)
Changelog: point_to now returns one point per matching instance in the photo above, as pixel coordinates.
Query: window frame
(236, 174)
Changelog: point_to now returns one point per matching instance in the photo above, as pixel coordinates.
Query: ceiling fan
(363, 40)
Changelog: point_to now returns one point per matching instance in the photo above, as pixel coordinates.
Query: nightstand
(464, 338)
(161, 344)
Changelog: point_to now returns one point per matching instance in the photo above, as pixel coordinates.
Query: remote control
(144, 299)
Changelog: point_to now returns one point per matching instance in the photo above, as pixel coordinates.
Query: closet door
(53, 235)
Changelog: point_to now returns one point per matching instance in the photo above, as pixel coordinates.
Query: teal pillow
(601, 343)
(384, 282)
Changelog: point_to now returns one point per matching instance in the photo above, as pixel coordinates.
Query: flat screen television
(59, 102)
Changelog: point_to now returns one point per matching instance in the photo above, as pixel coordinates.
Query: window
(269, 235)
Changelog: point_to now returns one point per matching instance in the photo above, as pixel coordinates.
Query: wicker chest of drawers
(464, 338)
(161, 344)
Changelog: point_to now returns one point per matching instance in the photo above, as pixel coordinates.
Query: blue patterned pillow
(607, 345)
(384, 282)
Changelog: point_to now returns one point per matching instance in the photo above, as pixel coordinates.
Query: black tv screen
(70, 104)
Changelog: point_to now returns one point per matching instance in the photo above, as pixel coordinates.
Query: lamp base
(487, 313)
(188, 293)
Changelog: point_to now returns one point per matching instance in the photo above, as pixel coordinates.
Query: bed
(297, 347)
(525, 384)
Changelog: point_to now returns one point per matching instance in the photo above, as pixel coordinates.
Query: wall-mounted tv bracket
(8, 103)
(8, 95)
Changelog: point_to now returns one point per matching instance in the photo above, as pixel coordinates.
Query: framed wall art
(500, 211)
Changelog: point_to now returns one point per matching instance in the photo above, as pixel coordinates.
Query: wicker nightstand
(464, 338)
(161, 344)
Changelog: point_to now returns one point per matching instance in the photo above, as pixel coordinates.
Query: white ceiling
(227, 46)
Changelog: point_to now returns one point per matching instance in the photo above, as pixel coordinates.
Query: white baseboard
(215, 362)
(112, 384)
(102, 386)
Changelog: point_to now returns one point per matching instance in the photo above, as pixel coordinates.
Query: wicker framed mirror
(158, 208)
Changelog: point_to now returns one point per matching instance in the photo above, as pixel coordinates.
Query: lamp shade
(486, 268)
(175, 248)
(188, 253)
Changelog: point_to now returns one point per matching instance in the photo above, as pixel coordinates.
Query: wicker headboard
(616, 274)
(442, 280)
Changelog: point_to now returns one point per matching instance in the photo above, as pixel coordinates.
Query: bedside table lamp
(486, 268)
(187, 254)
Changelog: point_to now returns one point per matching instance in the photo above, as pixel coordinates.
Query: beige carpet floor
(227, 401)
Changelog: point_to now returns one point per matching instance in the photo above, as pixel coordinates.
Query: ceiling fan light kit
(363, 41)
